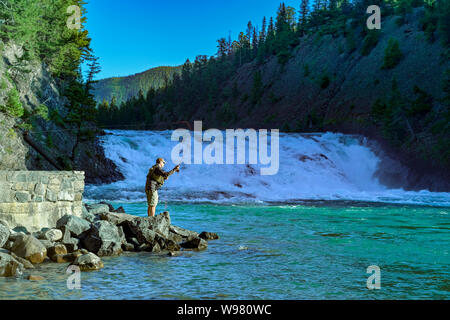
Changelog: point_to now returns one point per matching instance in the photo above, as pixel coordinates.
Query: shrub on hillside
(392, 54)
(13, 105)
(370, 41)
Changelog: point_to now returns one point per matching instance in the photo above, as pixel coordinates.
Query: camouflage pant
(152, 195)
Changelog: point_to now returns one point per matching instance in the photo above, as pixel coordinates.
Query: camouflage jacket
(157, 174)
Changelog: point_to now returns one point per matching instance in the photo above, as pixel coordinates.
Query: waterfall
(322, 166)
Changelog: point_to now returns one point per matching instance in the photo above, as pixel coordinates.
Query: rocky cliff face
(50, 144)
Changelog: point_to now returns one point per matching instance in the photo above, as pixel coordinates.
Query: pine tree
(262, 34)
(255, 40)
(270, 37)
(282, 19)
(186, 70)
(229, 44)
(249, 31)
(271, 29)
(304, 9)
(222, 48)
(103, 113)
(94, 69)
(290, 18)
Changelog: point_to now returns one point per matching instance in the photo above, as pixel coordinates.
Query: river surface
(309, 232)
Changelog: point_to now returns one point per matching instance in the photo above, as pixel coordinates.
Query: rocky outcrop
(53, 143)
(82, 242)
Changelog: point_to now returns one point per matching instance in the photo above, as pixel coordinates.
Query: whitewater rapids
(323, 166)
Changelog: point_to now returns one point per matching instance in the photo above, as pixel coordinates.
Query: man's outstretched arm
(171, 172)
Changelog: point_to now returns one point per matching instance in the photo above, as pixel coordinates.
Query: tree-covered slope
(125, 88)
(325, 71)
(47, 111)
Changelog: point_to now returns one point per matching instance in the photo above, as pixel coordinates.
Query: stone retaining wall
(37, 199)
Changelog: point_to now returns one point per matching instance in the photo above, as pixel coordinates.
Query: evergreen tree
(270, 37)
(262, 34)
(254, 43)
(304, 9)
(249, 31)
(186, 70)
(282, 19)
(222, 48)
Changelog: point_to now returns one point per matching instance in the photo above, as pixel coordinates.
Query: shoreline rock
(88, 262)
(101, 231)
(30, 248)
(9, 267)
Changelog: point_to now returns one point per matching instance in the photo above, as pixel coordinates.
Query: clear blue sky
(132, 36)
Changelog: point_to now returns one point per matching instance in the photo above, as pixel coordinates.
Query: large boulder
(30, 248)
(4, 223)
(74, 224)
(154, 247)
(171, 245)
(209, 235)
(110, 207)
(97, 208)
(116, 218)
(58, 249)
(4, 235)
(86, 215)
(175, 237)
(88, 262)
(195, 243)
(50, 234)
(9, 267)
(144, 229)
(47, 243)
(70, 243)
(119, 210)
(27, 264)
(184, 233)
(103, 239)
(69, 257)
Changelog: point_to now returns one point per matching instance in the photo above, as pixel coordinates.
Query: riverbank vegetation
(40, 29)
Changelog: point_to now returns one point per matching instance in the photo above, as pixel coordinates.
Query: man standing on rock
(155, 180)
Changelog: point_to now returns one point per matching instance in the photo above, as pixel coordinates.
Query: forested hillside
(323, 69)
(47, 111)
(122, 89)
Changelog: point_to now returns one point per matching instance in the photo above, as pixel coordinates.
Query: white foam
(324, 166)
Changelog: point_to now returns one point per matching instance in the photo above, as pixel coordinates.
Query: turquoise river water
(312, 251)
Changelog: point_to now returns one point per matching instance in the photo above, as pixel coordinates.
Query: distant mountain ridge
(125, 88)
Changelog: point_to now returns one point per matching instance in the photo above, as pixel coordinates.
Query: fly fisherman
(155, 180)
